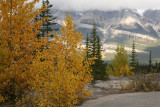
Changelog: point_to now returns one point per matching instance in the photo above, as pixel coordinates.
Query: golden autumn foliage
(18, 45)
(53, 73)
(119, 65)
(66, 70)
(126, 70)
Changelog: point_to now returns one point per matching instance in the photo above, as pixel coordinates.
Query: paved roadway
(148, 99)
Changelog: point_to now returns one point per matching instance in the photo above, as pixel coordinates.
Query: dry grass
(144, 83)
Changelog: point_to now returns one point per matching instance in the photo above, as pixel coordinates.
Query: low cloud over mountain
(119, 27)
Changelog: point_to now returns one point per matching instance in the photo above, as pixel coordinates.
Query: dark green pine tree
(92, 48)
(133, 56)
(95, 51)
(98, 49)
(100, 67)
(150, 61)
(92, 41)
(47, 26)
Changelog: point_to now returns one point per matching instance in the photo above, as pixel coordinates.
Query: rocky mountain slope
(120, 27)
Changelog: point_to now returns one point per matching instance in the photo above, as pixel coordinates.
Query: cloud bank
(105, 4)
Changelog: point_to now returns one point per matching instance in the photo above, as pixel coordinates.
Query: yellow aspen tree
(119, 65)
(55, 71)
(18, 45)
(66, 70)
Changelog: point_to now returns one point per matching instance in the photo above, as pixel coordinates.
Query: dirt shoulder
(148, 99)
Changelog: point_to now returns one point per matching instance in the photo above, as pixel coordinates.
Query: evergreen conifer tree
(98, 49)
(47, 26)
(95, 51)
(100, 68)
(150, 61)
(133, 62)
(92, 48)
(92, 41)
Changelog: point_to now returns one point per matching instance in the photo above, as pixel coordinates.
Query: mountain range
(120, 27)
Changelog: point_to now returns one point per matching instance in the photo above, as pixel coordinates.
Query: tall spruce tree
(100, 68)
(95, 51)
(47, 26)
(92, 41)
(150, 61)
(133, 56)
(98, 49)
(92, 48)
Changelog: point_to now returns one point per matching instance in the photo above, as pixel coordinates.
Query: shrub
(144, 83)
(119, 65)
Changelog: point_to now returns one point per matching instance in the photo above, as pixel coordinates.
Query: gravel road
(148, 99)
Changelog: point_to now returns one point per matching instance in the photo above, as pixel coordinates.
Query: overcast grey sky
(105, 4)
